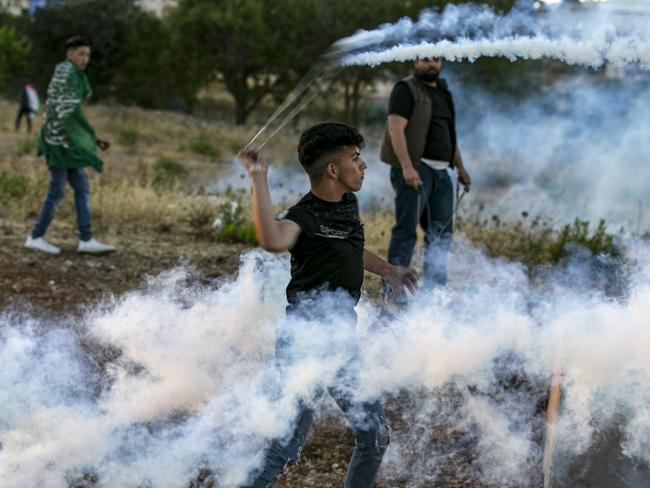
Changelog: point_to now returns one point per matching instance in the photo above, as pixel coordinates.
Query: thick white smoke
(155, 385)
(587, 37)
(576, 148)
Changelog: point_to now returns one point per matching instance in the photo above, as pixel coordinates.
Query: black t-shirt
(439, 144)
(329, 252)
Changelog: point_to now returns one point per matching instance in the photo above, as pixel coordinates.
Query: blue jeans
(432, 206)
(79, 182)
(365, 418)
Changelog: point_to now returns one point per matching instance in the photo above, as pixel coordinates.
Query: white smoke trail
(193, 385)
(468, 31)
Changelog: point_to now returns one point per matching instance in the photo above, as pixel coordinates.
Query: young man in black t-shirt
(324, 234)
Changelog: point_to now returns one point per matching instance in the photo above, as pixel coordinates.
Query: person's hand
(401, 278)
(412, 177)
(102, 144)
(463, 177)
(253, 161)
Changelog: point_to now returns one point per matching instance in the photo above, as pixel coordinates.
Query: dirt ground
(57, 286)
(64, 285)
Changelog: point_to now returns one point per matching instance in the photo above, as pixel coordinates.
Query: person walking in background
(28, 106)
(421, 147)
(68, 142)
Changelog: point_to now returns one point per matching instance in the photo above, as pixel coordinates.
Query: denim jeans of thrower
(79, 182)
(365, 418)
(432, 207)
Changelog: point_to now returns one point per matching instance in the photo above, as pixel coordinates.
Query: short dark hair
(75, 42)
(324, 139)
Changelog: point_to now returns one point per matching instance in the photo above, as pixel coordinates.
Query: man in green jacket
(69, 144)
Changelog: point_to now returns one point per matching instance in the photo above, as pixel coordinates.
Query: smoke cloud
(155, 385)
(587, 37)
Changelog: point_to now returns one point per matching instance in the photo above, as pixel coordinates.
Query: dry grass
(125, 196)
(159, 161)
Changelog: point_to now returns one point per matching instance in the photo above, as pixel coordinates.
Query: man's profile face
(351, 168)
(79, 56)
(429, 68)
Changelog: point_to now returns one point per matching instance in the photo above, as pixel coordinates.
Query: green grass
(202, 147)
(167, 173)
(127, 136)
(535, 243)
(13, 186)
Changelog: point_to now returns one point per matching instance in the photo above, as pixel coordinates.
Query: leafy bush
(14, 50)
(202, 147)
(233, 225)
(229, 222)
(535, 243)
(128, 136)
(166, 173)
(200, 218)
(12, 187)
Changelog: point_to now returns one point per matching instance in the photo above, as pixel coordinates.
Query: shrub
(128, 136)
(166, 173)
(232, 224)
(200, 218)
(534, 243)
(12, 187)
(202, 147)
(229, 222)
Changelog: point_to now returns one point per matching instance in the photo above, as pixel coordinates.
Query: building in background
(16, 7)
(158, 7)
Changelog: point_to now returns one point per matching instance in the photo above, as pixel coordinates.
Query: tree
(13, 57)
(132, 59)
(242, 41)
(147, 71)
(105, 23)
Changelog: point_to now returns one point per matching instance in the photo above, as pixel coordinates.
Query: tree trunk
(356, 96)
(346, 114)
(239, 91)
(241, 114)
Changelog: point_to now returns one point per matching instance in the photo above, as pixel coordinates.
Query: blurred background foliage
(256, 50)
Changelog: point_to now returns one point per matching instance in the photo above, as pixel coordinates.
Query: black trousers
(24, 111)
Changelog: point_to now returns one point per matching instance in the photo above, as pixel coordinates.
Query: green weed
(13, 186)
(167, 172)
(128, 136)
(202, 147)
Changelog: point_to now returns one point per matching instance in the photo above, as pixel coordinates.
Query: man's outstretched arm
(272, 235)
(399, 278)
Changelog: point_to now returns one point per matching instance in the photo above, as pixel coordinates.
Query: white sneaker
(93, 246)
(40, 244)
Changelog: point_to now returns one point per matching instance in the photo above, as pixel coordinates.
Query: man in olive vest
(420, 145)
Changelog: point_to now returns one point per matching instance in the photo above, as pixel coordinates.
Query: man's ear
(332, 170)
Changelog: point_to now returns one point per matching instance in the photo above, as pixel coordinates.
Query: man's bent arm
(397, 130)
(273, 235)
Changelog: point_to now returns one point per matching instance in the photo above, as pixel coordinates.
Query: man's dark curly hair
(323, 140)
(75, 42)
